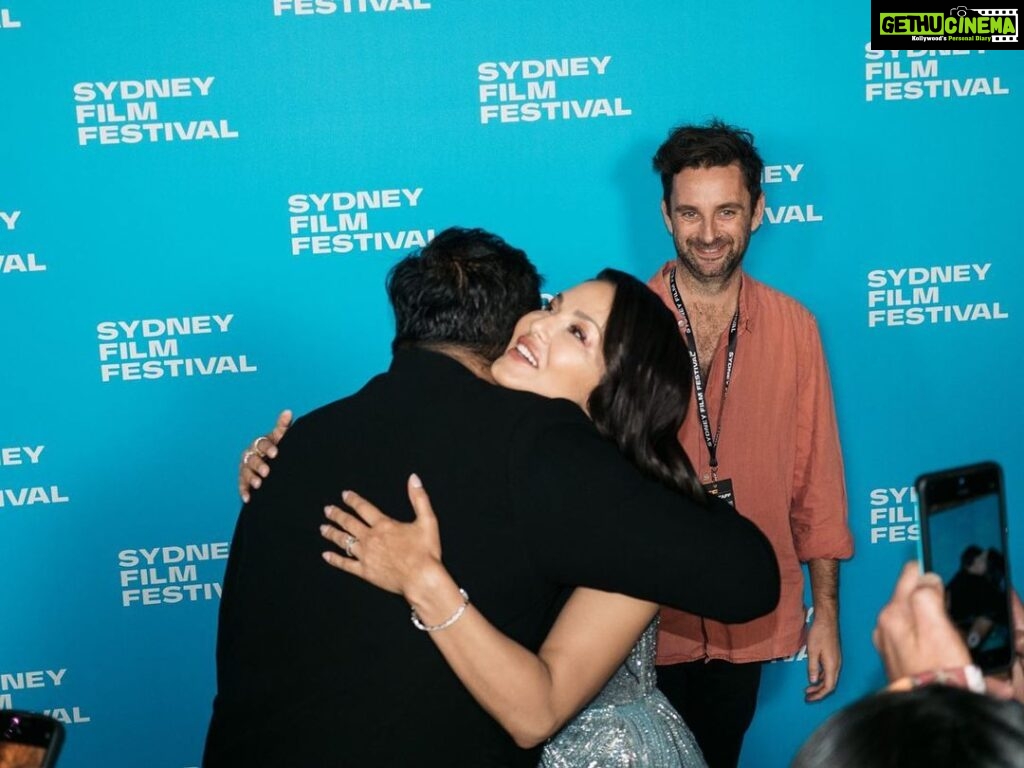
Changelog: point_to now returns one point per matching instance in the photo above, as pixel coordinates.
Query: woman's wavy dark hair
(642, 398)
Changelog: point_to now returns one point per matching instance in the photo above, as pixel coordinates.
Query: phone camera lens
(962, 481)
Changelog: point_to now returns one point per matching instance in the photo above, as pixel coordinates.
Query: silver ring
(349, 543)
(245, 457)
(256, 444)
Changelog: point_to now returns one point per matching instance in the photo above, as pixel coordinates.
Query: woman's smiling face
(559, 351)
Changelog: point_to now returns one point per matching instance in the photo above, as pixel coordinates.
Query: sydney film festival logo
(893, 27)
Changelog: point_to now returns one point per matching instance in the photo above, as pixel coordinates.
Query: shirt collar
(748, 294)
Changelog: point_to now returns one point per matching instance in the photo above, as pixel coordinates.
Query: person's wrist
(454, 617)
(968, 676)
(432, 592)
(826, 610)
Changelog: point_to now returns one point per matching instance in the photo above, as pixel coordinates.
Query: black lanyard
(698, 380)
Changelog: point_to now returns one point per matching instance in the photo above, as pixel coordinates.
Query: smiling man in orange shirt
(761, 430)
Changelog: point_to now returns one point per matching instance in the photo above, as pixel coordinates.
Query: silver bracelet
(447, 622)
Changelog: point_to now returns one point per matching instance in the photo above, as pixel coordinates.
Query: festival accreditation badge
(722, 489)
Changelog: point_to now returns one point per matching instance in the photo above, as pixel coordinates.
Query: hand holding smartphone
(963, 540)
(29, 740)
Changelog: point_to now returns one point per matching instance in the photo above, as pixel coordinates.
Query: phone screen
(28, 740)
(964, 542)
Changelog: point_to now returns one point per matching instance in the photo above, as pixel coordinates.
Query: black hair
(466, 287)
(709, 146)
(642, 398)
(934, 726)
(969, 555)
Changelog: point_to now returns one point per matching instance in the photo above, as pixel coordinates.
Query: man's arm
(821, 534)
(818, 510)
(289, 500)
(591, 519)
(605, 526)
(824, 656)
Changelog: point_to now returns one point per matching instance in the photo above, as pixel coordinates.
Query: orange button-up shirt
(780, 447)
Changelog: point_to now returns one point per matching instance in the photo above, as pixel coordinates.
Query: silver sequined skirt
(643, 733)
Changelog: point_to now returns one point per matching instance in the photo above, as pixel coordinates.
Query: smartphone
(28, 740)
(962, 513)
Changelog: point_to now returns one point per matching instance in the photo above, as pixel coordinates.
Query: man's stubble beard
(730, 263)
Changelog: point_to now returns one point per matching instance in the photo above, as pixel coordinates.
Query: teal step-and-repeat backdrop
(199, 202)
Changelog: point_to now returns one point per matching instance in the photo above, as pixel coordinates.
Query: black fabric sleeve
(285, 509)
(292, 494)
(591, 519)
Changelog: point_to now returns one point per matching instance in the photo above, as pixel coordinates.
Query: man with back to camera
(761, 432)
(315, 668)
